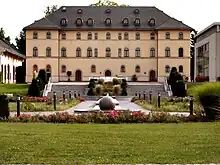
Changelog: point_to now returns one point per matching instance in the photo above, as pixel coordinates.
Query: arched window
(89, 52)
(78, 36)
(119, 36)
(48, 35)
(89, 36)
(167, 35)
(180, 36)
(63, 52)
(108, 36)
(181, 69)
(126, 36)
(96, 36)
(93, 68)
(96, 52)
(48, 68)
(137, 69)
(78, 52)
(152, 52)
(63, 36)
(108, 52)
(152, 36)
(63, 69)
(138, 36)
(167, 68)
(126, 52)
(122, 69)
(137, 52)
(167, 52)
(48, 52)
(35, 68)
(180, 52)
(35, 52)
(35, 35)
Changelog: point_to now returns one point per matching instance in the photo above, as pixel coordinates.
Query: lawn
(42, 106)
(122, 143)
(14, 89)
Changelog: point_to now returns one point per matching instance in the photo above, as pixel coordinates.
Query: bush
(116, 90)
(69, 73)
(124, 91)
(134, 78)
(116, 81)
(134, 99)
(91, 83)
(91, 92)
(43, 76)
(34, 89)
(101, 81)
(4, 110)
(98, 90)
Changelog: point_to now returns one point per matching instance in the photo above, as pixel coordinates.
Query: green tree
(21, 42)
(50, 9)
(3, 37)
(106, 3)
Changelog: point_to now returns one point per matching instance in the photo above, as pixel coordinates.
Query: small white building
(10, 58)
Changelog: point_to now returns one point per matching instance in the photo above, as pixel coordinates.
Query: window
(167, 52)
(35, 68)
(78, 52)
(78, 36)
(167, 35)
(79, 22)
(167, 68)
(90, 22)
(137, 52)
(89, 36)
(108, 52)
(152, 22)
(63, 22)
(152, 52)
(152, 36)
(126, 52)
(108, 21)
(48, 35)
(126, 37)
(63, 36)
(125, 22)
(180, 52)
(63, 69)
(122, 69)
(35, 52)
(137, 36)
(93, 68)
(48, 68)
(119, 52)
(137, 69)
(63, 52)
(96, 36)
(35, 35)
(89, 52)
(119, 36)
(48, 52)
(96, 52)
(181, 69)
(108, 36)
(180, 36)
(137, 22)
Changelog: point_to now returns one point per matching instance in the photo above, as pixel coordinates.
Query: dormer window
(79, 11)
(125, 22)
(137, 22)
(107, 11)
(108, 21)
(79, 22)
(63, 9)
(48, 35)
(152, 22)
(136, 11)
(90, 22)
(63, 22)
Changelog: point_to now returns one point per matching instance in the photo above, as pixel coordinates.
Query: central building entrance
(108, 73)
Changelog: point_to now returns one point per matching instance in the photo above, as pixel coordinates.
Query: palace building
(106, 41)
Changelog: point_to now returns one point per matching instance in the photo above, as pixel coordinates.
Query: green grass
(122, 143)
(14, 89)
(41, 106)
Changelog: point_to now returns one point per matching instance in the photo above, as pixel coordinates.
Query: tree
(21, 42)
(3, 37)
(50, 9)
(106, 3)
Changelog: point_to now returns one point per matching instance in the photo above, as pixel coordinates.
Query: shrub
(116, 81)
(40, 83)
(124, 91)
(91, 92)
(124, 83)
(134, 78)
(69, 73)
(101, 81)
(91, 83)
(4, 110)
(98, 90)
(202, 78)
(43, 76)
(34, 89)
(116, 90)
(134, 99)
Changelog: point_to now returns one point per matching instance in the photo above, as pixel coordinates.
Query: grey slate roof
(98, 14)
(5, 47)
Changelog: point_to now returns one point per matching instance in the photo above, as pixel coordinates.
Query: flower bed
(35, 99)
(115, 117)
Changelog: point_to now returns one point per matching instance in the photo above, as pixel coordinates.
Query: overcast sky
(16, 14)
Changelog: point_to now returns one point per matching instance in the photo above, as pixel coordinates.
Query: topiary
(34, 89)
(43, 76)
(124, 91)
(91, 83)
(98, 90)
(116, 81)
(116, 90)
(134, 78)
(69, 73)
(101, 81)
(91, 92)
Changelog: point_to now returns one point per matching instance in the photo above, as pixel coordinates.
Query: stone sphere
(106, 103)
